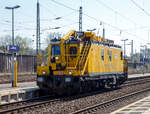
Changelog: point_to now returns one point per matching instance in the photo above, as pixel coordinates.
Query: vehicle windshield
(55, 50)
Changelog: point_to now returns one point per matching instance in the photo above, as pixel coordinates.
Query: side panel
(110, 63)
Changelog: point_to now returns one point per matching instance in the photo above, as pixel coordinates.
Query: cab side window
(73, 50)
(110, 55)
(121, 56)
(102, 54)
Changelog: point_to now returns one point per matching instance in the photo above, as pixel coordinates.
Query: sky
(122, 19)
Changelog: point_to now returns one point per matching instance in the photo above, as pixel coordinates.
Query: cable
(19, 22)
(124, 17)
(138, 28)
(84, 14)
(94, 18)
(45, 29)
(109, 25)
(47, 9)
(137, 5)
(19, 25)
(66, 15)
(63, 5)
(4, 24)
(20, 29)
(69, 24)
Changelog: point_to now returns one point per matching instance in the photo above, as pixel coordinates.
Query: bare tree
(52, 35)
(23, 43)
(49, 37)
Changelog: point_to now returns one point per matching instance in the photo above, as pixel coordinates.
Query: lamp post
(144, 54)
(131, 43)
(91, 30)
(148, 35)
(124, 47)
(33, 54)
(12, 8)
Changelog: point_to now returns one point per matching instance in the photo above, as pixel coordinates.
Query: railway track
(18, 107)
(136, 81)
(104, 105)
(22, 106)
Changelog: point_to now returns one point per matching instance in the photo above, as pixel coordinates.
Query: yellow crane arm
(67, 36)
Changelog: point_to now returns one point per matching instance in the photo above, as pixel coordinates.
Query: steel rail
(56, 100)
(110, 102)
(28, 106)
(139, 81)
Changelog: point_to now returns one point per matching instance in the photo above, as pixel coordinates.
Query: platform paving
(24, 91)
(19, 85)
(140, 107)
(138, 75)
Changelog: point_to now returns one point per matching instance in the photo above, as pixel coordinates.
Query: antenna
(80, 19)
(38, 29)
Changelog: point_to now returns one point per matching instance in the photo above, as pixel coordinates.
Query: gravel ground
(66, 107)
(21, 78)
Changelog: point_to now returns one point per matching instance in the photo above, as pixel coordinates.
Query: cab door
(72, 54)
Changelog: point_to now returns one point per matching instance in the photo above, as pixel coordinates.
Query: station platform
(24, 91)
(19, 86)
(138, 75)
(140, 107)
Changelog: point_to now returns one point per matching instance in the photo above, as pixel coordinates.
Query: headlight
(56, 58)
(70, 72)
(44, 72)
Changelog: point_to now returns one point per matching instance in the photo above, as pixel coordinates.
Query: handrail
(40, 59)
(81, 60)
(86, 61)
(80, 55)
(83, 54)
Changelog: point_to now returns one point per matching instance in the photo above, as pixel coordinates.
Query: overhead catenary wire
(98, 20)
(137, 28)
(47, 9)
(62, 26)
(69, 24)
(61, 17)
(64, 5)
(20, 29)
(17, 25)
(137, 5)
(5, 23)
(116, 12)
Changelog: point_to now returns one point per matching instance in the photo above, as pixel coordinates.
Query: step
(71, 68)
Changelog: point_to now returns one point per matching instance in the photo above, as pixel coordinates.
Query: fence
(26, 63)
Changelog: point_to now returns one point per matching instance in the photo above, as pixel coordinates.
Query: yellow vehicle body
(110, 64)
(78, 55)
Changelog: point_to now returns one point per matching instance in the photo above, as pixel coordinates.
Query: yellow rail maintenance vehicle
(81, 62)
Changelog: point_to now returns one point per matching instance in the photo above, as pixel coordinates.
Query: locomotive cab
(63, 56)
(54, 56)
